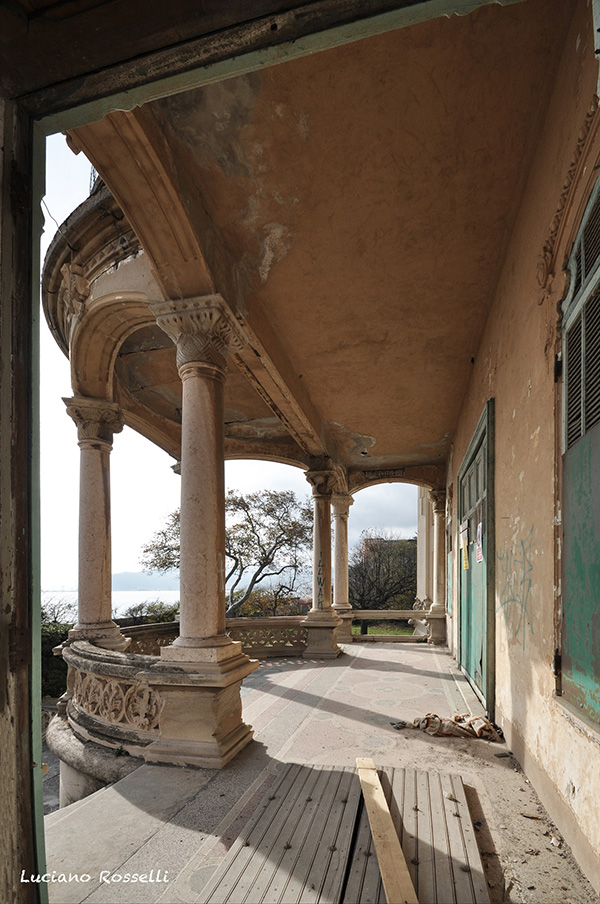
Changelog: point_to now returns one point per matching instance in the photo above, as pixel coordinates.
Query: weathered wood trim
(19, 533)
(242, 47)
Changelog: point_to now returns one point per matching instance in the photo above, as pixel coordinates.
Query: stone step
(66, 812)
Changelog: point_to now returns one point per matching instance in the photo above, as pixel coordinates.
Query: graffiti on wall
(514, 581)
(320, 583)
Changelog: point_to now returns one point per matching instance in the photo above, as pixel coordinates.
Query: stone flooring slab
(181, 822)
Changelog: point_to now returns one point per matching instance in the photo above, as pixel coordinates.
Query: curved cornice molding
(573, 197)
(93, 240)
(98, 335)
(145, 184)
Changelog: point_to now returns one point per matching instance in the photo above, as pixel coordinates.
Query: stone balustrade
(261, 638)
(282, 635)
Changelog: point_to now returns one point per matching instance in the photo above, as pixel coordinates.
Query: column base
(104, 634)
(211, 754)
(436, 627)
(322, 626)
(344, 631)
(201, 717)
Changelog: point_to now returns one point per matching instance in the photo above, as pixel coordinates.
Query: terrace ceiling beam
(127, 150)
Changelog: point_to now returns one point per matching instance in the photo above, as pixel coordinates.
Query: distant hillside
(144, 580)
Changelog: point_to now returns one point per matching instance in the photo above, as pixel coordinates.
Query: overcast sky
(144, 489)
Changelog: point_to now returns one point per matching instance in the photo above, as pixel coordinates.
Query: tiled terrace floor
(182, 821)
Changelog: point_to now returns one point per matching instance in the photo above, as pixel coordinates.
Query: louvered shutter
(574, 382)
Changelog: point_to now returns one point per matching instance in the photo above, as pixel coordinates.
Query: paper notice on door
(479, 543)
(465, 555)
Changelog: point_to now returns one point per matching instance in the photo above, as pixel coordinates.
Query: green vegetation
(377, 627)
(57, 620)
(382, 572)
(268, 538)
(152, 612)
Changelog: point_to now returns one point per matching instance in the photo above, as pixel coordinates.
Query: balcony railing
(282, 635)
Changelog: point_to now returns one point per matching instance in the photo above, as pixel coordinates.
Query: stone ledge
(87, 757)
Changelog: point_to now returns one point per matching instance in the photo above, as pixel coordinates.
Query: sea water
(121, 599)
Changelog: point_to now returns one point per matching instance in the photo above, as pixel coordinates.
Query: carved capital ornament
(203, 329)
(438, 501)
(97, 420)
(322, 482)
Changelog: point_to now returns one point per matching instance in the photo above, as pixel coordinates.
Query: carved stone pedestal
(322, 630)
(344, 631)
(436, 629)
(201, 715)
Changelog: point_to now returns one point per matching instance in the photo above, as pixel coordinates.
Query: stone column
(322, 621)
(201, 719)
(97, 420)
(341, 507)
(438, 626)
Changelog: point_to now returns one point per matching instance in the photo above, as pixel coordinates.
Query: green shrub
(54, 668)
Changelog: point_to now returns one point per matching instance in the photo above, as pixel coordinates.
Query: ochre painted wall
(515, 365)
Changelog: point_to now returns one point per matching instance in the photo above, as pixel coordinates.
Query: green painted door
(473, 570)
(475, 561)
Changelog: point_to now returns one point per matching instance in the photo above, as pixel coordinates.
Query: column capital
(97, 420)
(438, 500)
(322, 482)
(203, 329)
(341, 502)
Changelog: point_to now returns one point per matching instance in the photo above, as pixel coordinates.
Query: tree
(382, 572)
(268, 536)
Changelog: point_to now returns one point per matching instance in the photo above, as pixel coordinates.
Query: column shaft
(202, 603)
(341, 505)
(439, 561)
(437, 627)
(97, 420)
(322, 554)
(95, 573)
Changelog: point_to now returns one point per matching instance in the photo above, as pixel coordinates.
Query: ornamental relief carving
(75, 290)
(546, 262)
(151, 646)
(270, 637)
(116, 701)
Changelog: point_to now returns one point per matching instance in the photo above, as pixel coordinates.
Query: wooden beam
(392, 864)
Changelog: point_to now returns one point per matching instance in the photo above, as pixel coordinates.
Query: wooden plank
(394, 870)
(255, 841)
(456, 848)
(460, 828)
(359, 880)
(255, 885)
(405, 816)
(444, 878)
(337, 867)
(295, 849)
(425, 849)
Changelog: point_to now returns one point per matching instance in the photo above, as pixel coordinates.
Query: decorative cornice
(203, 329)
(547, 260)
(97, 420)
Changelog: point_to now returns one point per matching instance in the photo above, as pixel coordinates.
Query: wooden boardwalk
(310, 842)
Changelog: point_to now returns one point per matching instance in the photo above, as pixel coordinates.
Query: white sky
(144, 490)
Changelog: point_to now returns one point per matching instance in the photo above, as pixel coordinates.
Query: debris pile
(463, 726)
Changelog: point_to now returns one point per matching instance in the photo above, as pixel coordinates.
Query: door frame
(485, 430)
